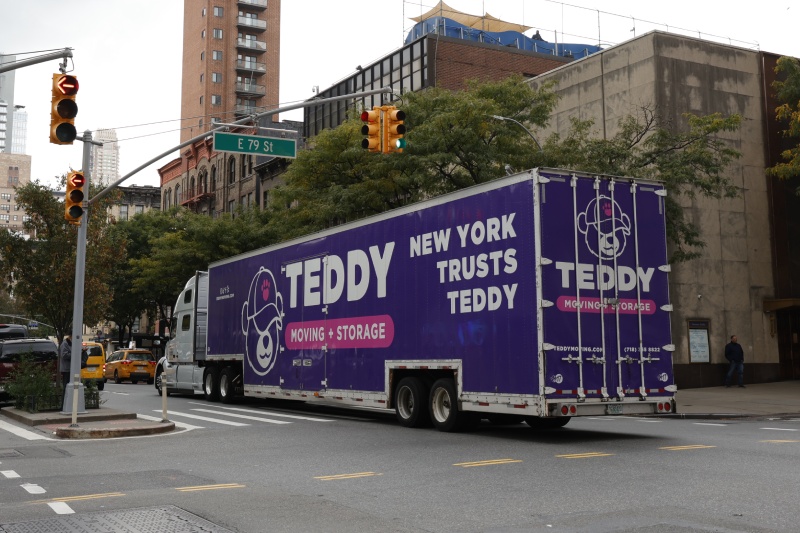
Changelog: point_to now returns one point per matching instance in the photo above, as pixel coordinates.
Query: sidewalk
(100, 423)
(760, 399)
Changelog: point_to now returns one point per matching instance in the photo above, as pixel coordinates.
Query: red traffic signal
(63, 109)
(371, 129)
(73, 200)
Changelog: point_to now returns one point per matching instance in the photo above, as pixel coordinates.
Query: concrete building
(19, 134)
(104, 160)
(15, 171)
(231, 61)
(744, 284)
(6, 104)
(135, 200)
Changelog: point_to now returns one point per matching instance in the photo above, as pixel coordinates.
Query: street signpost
(254, 144)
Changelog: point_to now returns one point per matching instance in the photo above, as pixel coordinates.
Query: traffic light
(394, 130)
(73, 201)
(371, 129)
(63, 109)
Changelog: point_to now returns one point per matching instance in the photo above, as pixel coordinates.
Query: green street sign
(254, 144)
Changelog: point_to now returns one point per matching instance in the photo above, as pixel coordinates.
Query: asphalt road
(257, 467)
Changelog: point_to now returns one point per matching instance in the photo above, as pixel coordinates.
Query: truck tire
(411, 403)
(116, 378)
(211, 384)
(443, 408)
(547, 423)
(158, 382)
(227, 389)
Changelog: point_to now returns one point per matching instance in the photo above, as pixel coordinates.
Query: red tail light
(126, 362)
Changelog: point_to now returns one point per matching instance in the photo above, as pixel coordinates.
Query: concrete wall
(674, 75)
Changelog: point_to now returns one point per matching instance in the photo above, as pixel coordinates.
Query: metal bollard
(163, 399)
(76, 379)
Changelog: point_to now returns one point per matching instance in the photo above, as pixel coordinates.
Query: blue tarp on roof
(512, 39)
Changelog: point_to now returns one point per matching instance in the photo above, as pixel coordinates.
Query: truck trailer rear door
(605, 302)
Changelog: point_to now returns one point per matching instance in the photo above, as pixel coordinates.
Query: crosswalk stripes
(222, 415)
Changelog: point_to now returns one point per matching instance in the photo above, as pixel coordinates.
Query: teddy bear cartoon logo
(605, 227)
(262, 322)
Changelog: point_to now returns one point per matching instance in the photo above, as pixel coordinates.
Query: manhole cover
(168, 519)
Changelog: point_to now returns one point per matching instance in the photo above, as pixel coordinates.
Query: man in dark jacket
(64, 360)
(735, 355)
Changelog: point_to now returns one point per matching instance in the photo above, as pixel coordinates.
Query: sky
(127, 54)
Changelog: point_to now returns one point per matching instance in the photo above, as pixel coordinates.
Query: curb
(107, 433)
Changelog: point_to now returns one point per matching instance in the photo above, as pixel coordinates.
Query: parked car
(96, 360)
(130, 364)
(13, 331)
(43, 351)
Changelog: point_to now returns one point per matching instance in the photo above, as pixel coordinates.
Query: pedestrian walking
(735, 356)
(65, 360)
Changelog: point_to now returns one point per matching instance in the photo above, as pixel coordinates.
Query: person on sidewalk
(64, 361)
(735, 355)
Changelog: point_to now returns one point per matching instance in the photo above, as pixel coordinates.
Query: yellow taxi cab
(132, 364)
(95, 361)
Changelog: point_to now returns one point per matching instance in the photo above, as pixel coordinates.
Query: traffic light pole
(73, 395)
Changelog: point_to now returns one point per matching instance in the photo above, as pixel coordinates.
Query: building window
(201, 100)
(5, 207)
(213, 178)
(6, 196)
(204, 12)
(231, 206)
(123, 212)
(203, 34)
(201, 77)
(216, 99)
(232, 170)
(138, 210)
(216, 55)
(216, 77)
(217, 33)
(217, 11)
(202, 56)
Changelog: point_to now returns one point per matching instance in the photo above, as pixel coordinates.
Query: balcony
(255, 5)
(252, 24)
(252, 45)
(243, 110)
(251, 89)
(251, 67)
(194, 195)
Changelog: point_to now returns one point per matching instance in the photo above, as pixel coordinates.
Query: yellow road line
(587, 455)
(488, 463)
(688, 447)
(210, 487)
(778, 441)
(79, 498)
(347, 476)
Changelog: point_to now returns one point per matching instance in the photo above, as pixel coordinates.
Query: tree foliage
(788, 94)
(455, 141)
(40, 271)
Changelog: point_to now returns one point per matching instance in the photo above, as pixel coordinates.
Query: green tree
(40, 271)
(174, 245)
(690, 159)
(454, 142)
(788, 94)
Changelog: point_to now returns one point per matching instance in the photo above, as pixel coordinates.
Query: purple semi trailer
(538, 297)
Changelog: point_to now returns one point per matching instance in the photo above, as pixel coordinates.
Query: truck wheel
(443, 406)
(116, 377)
(211, 384)
(158, 382)
(547, 423)
(410, 403)
(227, 389)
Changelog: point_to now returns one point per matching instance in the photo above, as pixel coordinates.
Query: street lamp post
(518, 123)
